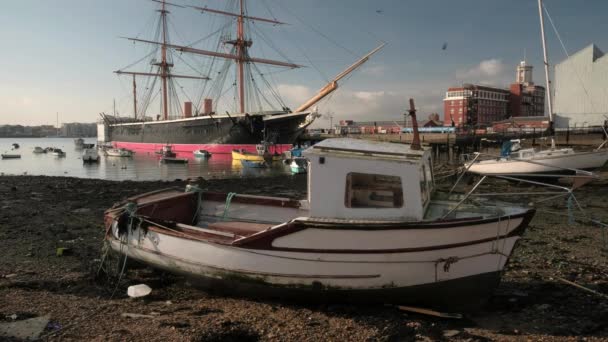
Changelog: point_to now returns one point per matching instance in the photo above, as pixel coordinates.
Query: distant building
(524, 123)
(384, 126)
(581, 89)
(474, 105)
(526, 98)
(77, 129)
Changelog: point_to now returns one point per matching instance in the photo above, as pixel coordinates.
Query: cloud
(489, 72)
(294, 94)
(374, 70)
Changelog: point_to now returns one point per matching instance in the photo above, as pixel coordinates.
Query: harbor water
(143, 166)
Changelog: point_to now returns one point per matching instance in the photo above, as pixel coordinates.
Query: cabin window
(373, 191)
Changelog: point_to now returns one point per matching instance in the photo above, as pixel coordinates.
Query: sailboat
(532, 161)
(203, 128)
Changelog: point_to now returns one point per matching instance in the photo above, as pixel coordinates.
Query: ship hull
(214, 134)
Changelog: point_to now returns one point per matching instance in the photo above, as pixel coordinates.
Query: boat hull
(378, 264)
(550, 164)
(468, 292)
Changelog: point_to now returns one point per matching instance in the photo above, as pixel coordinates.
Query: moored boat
(15, 146)
(202, 154)
(118, 152)
(11, 156)
(89, 154)
(298, 165)
(38, 150)
(372, 229)
(244, 155)
(254, 164)
(57, 152)
(173, 160)
(79, 142)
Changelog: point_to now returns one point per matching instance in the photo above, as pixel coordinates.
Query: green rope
(131, 209)
(227, 205)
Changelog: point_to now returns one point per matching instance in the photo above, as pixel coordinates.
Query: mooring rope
(227, 205)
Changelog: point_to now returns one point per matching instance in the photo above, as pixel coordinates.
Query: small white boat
(201, 154)
(57, 152)
(89, 154)
(373, 229)
(299, 165)
(11, 156)
(118, 152)
(39, 150)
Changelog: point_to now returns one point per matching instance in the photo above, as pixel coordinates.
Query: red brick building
(475, 105)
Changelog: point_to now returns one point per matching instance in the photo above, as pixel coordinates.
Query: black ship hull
(212, 132)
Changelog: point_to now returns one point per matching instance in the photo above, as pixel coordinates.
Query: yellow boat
(244, 155)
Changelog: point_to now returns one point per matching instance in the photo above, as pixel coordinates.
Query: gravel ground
(40, 214)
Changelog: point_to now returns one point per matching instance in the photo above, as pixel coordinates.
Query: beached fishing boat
(10, 156)
(373, 229)
(38, 150)
(118, 152)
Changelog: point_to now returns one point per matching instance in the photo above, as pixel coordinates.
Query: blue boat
(254, 164)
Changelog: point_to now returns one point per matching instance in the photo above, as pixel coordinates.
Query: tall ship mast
(201, 124)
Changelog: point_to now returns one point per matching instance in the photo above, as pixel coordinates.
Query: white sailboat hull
(543, 162)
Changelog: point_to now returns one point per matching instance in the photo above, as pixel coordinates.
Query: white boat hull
(542, 164)
(345, 264)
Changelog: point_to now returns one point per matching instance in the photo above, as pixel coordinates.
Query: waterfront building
(581, 89)
(526, 98)
(474, 105)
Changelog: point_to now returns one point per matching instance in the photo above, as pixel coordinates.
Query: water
(144, 165)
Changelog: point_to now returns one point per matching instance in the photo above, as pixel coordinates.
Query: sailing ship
(205, 129)
(532, 161)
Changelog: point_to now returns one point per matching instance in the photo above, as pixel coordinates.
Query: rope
(227, 205)
(199, 198)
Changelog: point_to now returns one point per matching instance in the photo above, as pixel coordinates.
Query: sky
(59, 56)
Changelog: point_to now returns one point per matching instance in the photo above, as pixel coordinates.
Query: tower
(524, 74)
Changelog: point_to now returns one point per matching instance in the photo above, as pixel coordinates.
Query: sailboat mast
(546, 63)
(134, 98)
(164, 67)
(240, 47)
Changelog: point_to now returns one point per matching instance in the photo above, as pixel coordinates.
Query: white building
(581, 89)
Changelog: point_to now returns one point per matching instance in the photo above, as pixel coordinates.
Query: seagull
(444, 46)
(379, 11)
